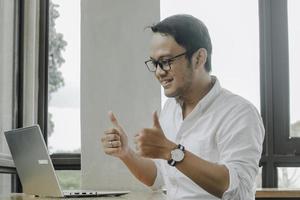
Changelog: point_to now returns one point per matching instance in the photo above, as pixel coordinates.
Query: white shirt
(223, 128)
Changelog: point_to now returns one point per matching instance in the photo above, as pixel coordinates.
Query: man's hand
(152, 142)
(115, 141)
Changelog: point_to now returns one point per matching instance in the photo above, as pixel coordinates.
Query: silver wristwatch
(177, 155)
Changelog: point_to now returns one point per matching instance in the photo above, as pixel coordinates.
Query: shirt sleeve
(159, 182)
(240, 146)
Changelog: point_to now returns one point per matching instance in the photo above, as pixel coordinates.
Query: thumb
(113, 119)
(156, 123)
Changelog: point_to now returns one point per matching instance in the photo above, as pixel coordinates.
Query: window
(281, 150)
(64, 77)
(64, 91)
(288, 173)
(273, 72)
(288, 177)
(294, 63)
(5, 186)
(69, 179)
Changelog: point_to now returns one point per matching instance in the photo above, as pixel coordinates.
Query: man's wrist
(127, 155)
(170, 147)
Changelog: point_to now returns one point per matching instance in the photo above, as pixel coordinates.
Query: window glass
(233, 27)
(288, 177)
(294, 63)
(64, 76)
(5, 183)
(259, 178)
(69, 179)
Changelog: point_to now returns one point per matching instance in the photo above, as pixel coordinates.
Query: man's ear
(199, 57)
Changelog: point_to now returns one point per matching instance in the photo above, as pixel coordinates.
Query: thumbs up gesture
(115, 141)
(152, 142)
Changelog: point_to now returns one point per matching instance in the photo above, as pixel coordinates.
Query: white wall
(114, 77)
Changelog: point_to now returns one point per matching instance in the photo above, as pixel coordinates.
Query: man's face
(177, 81)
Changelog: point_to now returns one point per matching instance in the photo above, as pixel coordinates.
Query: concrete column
(114, 46)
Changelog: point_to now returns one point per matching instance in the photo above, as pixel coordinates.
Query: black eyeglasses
(163, 64)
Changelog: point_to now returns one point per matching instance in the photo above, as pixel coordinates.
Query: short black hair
(189, 32)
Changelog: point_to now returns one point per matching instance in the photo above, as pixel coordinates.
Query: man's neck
(189, 102)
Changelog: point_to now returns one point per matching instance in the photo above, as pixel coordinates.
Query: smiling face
(178, 80)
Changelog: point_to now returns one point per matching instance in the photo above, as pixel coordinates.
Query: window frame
(61, 161)
(279, 149)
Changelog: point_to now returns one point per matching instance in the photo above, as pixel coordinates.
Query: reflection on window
(288, 177)
(64, 76)
(235, 57)
(294, 63)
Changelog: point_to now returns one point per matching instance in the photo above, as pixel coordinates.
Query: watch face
(177, 155)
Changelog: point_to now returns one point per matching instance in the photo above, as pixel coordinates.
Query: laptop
(35, 168)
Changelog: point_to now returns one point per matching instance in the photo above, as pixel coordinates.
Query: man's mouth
(166, 82)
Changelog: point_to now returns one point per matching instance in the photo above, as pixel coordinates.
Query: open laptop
(35, 168)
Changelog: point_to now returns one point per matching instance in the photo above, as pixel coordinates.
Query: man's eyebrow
(161, 57)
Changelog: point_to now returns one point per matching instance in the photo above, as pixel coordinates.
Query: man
(207, 142)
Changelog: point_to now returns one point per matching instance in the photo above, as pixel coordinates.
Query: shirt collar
(206, 101)
(210, 96)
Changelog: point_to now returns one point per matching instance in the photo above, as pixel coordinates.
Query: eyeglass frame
(166, 63)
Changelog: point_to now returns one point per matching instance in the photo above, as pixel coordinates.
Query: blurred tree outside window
(55, 59)
(69, 179)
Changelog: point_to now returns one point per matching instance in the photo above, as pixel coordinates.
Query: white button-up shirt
(223, 128)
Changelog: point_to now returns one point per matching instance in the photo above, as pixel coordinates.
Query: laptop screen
(35, 168)
(32, 161)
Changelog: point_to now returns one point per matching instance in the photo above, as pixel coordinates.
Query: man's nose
(159, 71)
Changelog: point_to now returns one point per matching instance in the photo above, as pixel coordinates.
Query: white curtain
(6, 69)
(6, 84)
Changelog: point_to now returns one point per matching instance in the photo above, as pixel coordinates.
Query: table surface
(130, 196)
(260, 193)
(277, 192)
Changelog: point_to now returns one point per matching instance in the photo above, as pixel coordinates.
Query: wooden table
(277, 193)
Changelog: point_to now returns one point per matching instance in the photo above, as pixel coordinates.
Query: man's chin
(167, 94)
(170, 94)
